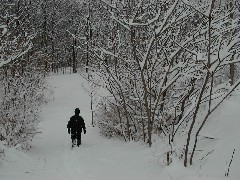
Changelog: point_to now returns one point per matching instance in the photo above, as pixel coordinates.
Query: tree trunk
(204, 83)
(74, 59)
(232, 73)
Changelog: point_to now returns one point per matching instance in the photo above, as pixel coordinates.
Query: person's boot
(73, 142)
(78, 142)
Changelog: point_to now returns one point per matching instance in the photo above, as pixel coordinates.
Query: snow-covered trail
(97, 158)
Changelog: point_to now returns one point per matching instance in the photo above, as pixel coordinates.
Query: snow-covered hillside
(98, 158)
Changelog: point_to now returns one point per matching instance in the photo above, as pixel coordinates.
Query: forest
(167, 65)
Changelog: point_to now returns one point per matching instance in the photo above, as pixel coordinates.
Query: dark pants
(76, 136)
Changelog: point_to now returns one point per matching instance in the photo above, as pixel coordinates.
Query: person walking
(75, 126)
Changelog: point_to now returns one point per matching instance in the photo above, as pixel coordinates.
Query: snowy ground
(99, 158)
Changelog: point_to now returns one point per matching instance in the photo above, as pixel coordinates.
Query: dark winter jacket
(76, 124)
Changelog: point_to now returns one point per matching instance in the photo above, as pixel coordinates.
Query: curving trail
(98, 158)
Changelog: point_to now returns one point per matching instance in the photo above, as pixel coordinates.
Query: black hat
(77, 110)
